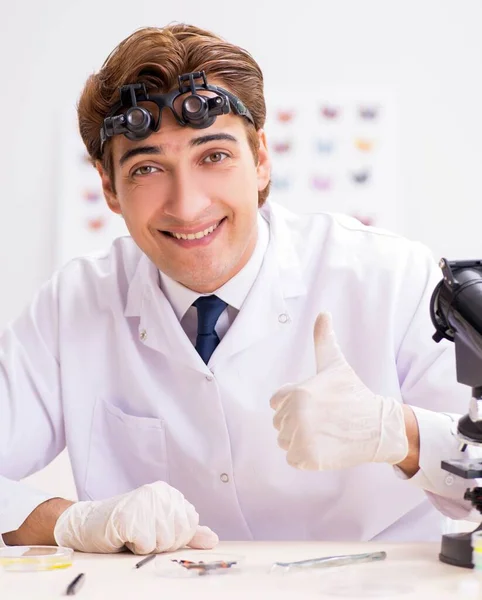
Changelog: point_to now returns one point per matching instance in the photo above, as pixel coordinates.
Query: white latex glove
(333, 421)
(153, 518)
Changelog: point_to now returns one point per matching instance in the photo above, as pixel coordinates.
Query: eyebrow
(139, 150)
(204, 139)
(197, 141)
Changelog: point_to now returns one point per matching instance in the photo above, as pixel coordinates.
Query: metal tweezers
(334, 561)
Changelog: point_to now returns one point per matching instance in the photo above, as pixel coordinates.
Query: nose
(187, 199)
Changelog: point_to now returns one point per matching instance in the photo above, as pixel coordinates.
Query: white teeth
(195, 236)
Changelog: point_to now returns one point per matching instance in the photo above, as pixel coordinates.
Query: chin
(205, 281)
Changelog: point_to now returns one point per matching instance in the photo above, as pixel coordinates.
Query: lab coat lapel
(159, 327)
(265, 310)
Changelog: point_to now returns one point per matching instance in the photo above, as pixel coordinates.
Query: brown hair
(156, 57)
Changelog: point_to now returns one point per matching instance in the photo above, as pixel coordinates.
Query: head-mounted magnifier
(198, 111)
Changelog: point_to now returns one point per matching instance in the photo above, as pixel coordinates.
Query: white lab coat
(100, 363)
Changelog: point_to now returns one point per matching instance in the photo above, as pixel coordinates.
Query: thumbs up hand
(333, 421)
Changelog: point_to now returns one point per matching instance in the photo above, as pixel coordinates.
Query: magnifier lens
(136, 118)
(193, 104)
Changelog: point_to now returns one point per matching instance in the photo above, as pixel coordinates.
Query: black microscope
(456, 312)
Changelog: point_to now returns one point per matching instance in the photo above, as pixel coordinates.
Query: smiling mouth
(194, 236)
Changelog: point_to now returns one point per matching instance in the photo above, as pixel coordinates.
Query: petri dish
(35, 558)
(196, 563)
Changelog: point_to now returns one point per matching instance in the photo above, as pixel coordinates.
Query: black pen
(142, 562)
(75, 585)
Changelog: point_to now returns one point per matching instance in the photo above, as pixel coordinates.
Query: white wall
(431, 50)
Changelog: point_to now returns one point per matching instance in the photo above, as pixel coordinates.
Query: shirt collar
(233, 292)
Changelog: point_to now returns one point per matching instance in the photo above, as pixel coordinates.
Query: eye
(216, 157)
(145, 170)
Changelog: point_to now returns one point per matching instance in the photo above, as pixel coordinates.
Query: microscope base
(457, 549)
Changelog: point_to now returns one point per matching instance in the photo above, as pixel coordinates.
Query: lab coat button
(143, 335)
(283, 318)
(224, 477)
(449, 480)
(209, 377)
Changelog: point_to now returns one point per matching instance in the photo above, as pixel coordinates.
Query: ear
(264, 161)
(107, 188)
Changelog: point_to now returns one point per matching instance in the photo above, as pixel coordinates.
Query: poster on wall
(335, 151)
(85, 224)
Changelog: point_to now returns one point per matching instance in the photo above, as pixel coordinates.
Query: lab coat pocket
(125, 452)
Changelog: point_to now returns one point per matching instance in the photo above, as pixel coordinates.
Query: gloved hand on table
(333, 421)
(153, 518)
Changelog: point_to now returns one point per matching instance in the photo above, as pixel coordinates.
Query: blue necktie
(209, 309)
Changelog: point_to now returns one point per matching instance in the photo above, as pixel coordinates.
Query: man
(193, 370)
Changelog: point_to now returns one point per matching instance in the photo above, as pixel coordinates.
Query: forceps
(334, 561)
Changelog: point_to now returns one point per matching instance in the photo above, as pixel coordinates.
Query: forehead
(175, 138)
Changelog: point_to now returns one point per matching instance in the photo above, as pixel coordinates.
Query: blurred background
(374, 109)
